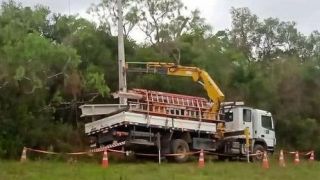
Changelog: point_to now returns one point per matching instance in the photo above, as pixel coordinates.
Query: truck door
(265, 128)
(247, 119)
(239, 119)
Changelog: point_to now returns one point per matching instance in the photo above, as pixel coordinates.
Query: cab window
(246, 115)
(266, 122)
(229, 116)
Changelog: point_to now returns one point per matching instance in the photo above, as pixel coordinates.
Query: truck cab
(259, 122)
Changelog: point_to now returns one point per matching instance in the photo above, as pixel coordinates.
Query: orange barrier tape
(124, 152)
(116, 151)
(220, 154)
(154, 155)
(191, 153)
(177, 154)
(151, 155)
(257, 154)
(74, 153)
(305, 153)
(300, 153)
(41, 151)
(289, 152)
(78, 153)
(308, 153)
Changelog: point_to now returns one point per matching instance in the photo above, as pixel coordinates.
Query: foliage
(36, 72)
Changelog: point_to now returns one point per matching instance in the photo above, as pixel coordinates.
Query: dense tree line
(51, 63)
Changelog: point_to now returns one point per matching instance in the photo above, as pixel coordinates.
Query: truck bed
(132, 118)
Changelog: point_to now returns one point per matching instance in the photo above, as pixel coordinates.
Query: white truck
(176, 124)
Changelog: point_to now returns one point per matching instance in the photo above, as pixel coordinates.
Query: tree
(268, 39)
(244, 33)
(31, 64)
(107, 13)
(162, 22)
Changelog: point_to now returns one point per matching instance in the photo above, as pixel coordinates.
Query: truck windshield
(266, 122)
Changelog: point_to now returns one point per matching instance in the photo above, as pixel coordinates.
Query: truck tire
(258, 149)
(179, 146)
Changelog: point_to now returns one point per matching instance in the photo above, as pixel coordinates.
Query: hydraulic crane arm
(197, 74)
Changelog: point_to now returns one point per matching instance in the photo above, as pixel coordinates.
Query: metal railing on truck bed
(149, 108)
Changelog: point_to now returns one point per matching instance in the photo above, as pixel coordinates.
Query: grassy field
(45, 170)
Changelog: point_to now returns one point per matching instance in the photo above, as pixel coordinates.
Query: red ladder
(173, 105)
(174, 99)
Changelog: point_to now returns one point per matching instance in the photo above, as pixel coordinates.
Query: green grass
(46, 170)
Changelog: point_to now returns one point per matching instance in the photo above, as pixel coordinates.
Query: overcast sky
(305, 12)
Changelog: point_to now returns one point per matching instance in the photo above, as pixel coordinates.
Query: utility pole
(69, 6)
(121, 56)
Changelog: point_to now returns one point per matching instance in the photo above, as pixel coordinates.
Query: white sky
(217, 12)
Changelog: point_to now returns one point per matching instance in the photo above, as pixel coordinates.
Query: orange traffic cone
(201, 159)
(105, 161)
(24, 155)
(311, 156)
(265, 162)
(296, 158)
(281, 159)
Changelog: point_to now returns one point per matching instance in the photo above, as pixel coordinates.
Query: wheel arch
(261, 142)
(186, 136)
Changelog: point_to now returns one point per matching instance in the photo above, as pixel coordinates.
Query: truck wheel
(179, 146)
(258, 149)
